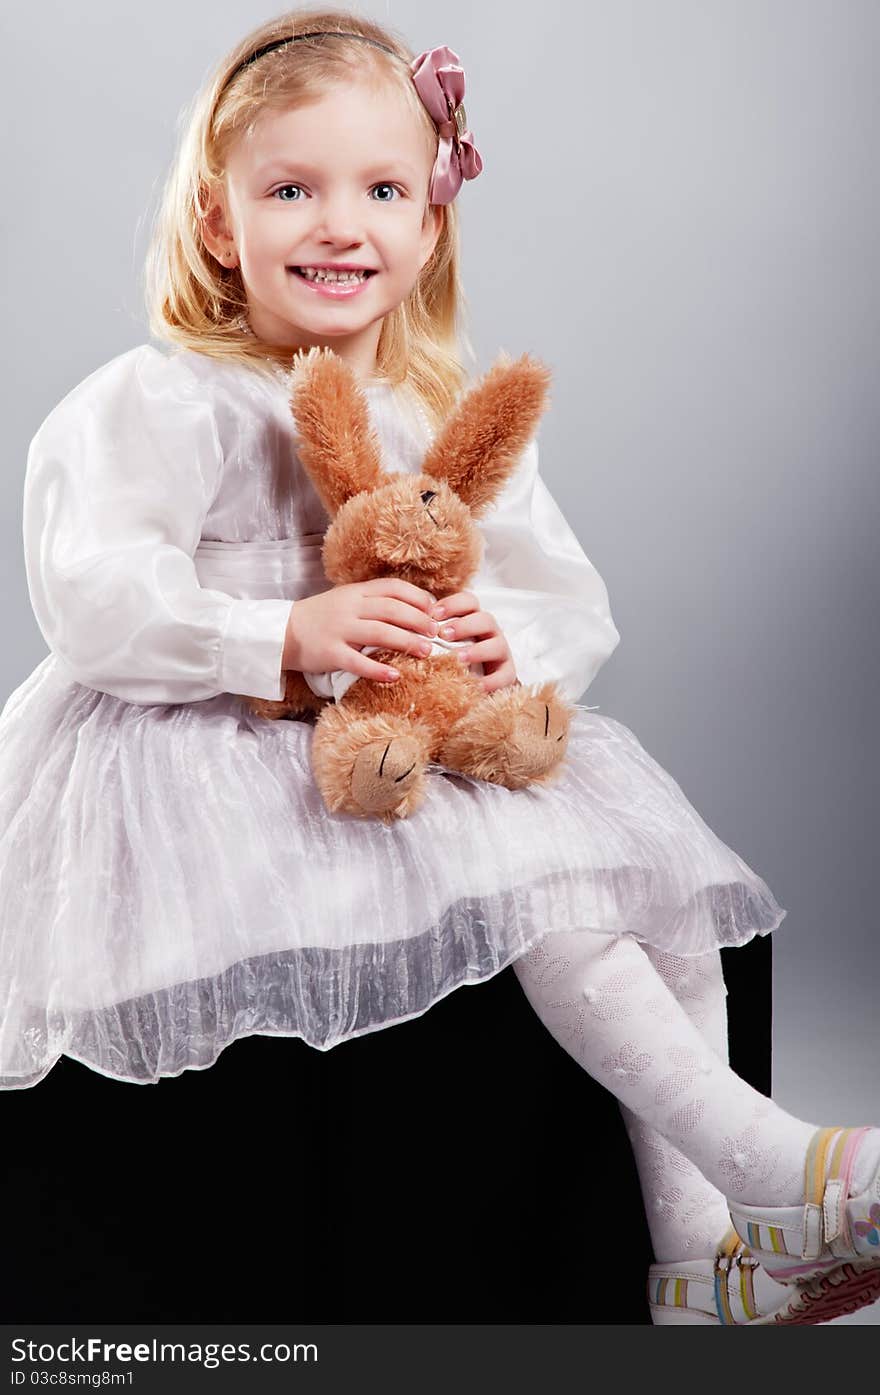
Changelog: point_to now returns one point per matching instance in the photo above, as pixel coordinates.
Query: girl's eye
(388, 186)
(282, 187)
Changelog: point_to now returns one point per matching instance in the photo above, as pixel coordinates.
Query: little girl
(170, 878)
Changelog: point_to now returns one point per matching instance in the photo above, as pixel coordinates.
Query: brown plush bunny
(371, 749)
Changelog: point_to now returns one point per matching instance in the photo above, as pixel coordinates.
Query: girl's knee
(701, 973)
(569, 954)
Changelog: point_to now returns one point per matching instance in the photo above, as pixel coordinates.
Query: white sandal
(828, 1249)
(730, 1289)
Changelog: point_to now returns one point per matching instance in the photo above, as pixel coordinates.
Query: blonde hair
(195, 303)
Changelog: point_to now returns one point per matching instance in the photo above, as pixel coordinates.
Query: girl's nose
(339, 221)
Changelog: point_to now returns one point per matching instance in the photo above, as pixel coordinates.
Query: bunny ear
(336, 443)
(479, 445)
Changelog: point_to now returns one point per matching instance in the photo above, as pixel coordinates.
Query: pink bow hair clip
(439, 80)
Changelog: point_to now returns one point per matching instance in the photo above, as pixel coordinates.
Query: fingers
(460, 603)
(503, 677)
(494, 654)
(390, 637)
(492, 650)
(416, 611)
(353, 661)
(495, 676)
(403, 613)
(477, 625)
(402, 590)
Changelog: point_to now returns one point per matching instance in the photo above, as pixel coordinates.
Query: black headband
(315, 34)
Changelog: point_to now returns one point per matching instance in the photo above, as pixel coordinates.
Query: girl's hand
(462, 616)
(324, 630)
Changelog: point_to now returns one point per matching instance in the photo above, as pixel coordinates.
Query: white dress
(170, 879)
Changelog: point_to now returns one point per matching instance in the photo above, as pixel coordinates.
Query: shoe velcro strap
(812, 1239)
(820, 1208)
(832, 1207)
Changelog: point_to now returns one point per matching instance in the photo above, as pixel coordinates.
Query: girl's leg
(603, 1000)
(687, 1217)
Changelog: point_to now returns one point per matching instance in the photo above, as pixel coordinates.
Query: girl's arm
(120, 477)
(550, 602)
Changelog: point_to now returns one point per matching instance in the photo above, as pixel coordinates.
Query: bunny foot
(515, 737)
(298, 700)
(370, 766)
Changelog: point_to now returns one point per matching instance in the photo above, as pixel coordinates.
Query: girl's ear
(480, 444)
(335, 441)
(216, 232)
(431, 226)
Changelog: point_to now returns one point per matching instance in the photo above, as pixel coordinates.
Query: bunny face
(411, 526)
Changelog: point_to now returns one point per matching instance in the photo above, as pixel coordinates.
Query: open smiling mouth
(352, 279)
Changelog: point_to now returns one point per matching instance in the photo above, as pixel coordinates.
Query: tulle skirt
(170, 880)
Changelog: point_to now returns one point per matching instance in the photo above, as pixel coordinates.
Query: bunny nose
(428, 495)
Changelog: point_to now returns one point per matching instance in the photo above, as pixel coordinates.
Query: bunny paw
(370, 766)
(515, 737)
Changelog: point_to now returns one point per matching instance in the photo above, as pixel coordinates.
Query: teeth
(311, 274)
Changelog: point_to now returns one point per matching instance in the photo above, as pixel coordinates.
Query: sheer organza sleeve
(119, 479)
(546, 595)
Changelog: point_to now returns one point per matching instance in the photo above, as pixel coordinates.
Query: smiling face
(343, 180)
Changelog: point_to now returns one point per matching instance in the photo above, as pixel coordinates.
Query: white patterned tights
(652, 1028)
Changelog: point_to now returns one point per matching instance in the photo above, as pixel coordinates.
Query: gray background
(678, 212)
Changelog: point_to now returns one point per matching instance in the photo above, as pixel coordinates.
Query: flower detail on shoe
(870, 1229)
(626, 1065)
(744, 1163)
